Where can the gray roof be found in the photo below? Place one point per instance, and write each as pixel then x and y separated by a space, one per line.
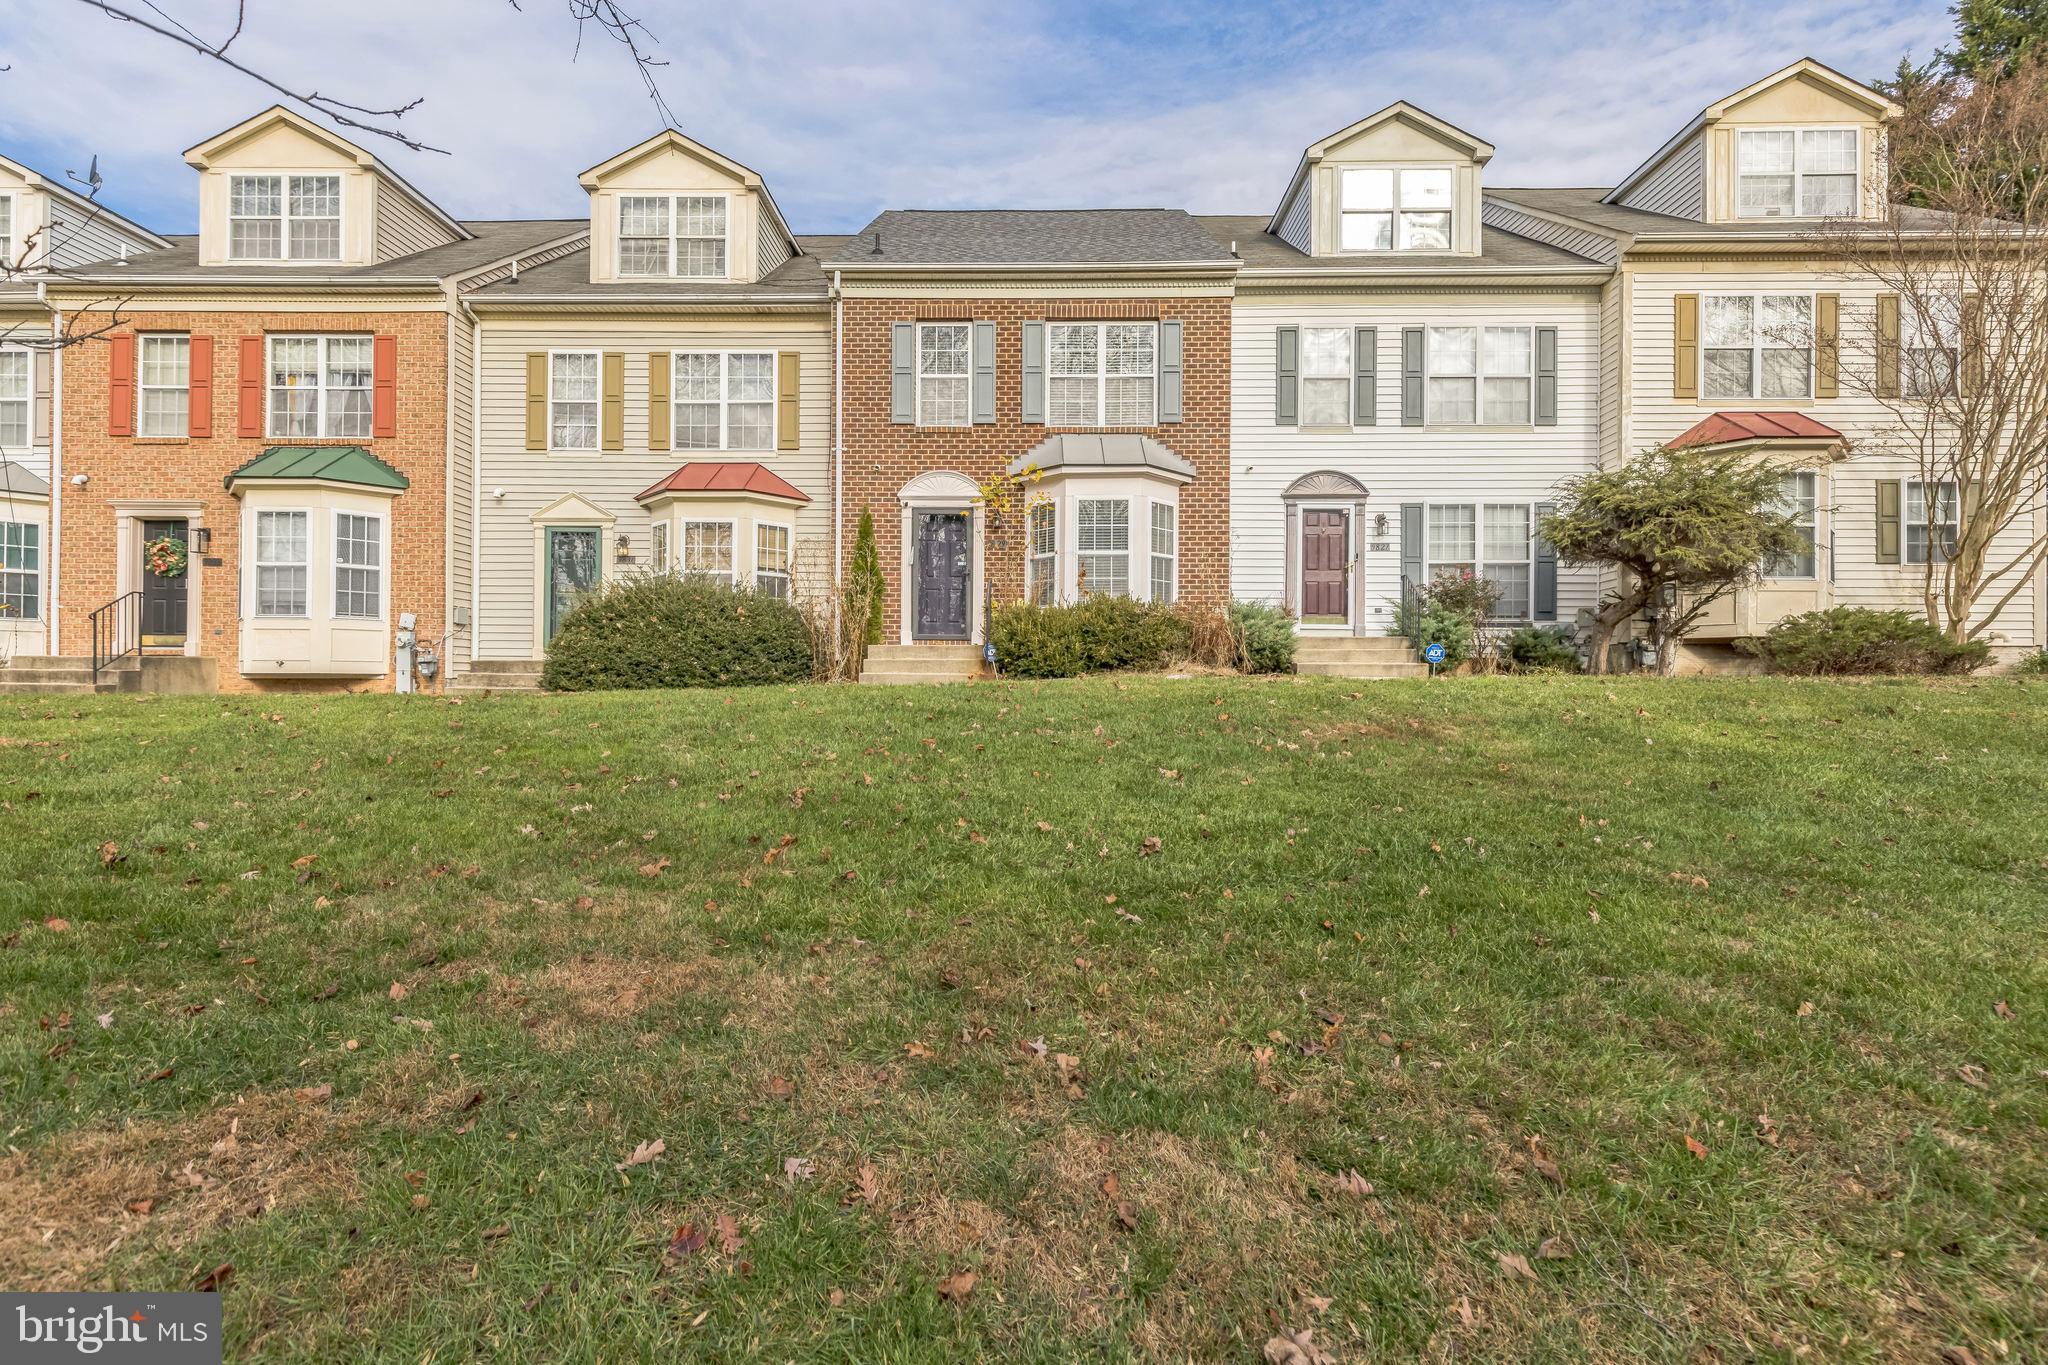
pixel 1021 237
pixel 1121 451
pixel 799 278
pixel 494 240
pixel 1584 204
pixel 22 481
pixel 1498 250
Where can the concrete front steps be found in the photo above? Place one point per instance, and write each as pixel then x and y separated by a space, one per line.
pixel 921 664
pixel 1357 656
pixel 486 676
pixel 59 675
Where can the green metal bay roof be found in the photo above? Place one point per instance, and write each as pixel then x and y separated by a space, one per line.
pixel 335 464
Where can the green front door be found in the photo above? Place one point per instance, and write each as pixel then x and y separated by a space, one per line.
pixel 572 572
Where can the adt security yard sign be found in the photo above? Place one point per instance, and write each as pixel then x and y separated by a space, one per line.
pixel 1434 653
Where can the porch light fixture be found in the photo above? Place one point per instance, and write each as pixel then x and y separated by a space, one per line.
pixel 203 536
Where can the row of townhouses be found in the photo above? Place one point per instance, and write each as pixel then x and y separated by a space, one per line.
pixel 361 415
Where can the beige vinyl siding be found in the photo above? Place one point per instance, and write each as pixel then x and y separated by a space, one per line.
pixel 79 236
pixel 534 479
pixel 472 283
pixel 771 248
pixel 1400 464
pixel 1655 416
pixel 1594 246
pixel 1678 187
pixel 461 472
pixel 1296 227
pixel 403 227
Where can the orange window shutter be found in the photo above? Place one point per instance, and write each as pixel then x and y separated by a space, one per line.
pixel 384 386
pixel 199 390
pixel 249 405
pixel 121 384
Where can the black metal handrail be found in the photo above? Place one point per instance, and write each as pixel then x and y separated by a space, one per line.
pixel 116 632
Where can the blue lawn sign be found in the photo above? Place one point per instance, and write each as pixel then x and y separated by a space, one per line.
pixel 1434 653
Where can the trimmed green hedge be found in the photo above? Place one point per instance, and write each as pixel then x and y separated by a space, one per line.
pixel 1267 636
pixel 1845 640
pixel 1097 635
pixel 677 632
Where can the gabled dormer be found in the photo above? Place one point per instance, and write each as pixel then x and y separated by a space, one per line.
pixel 280 190
pixel 46 224
pixel 673 210
pixel 1401 181
pixel 1802 145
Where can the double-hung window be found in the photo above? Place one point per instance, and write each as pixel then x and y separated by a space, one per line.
pixel 7 231
pixel 707 550
pixel 1930 521
pixel 21 571
pixel 1798 495
pixel 572 400
pixel 657 548
pixel 1388 208
pixel 1928 339
pixel 164 386
pixel 1042 558
pixel 945 369
pixel 281 560
pixel 771 559
pixel 1480 376
pixel 724 400
pixel 1325 376
pixel 1102 374
pixel 672 234
pixel 1102 544
pixel 284 217
pixel 358 565
pixel 1165 551
pixel 1796 173
pixel 320 386
pixel 1492 540
pixel 1758 346
pixel 16 389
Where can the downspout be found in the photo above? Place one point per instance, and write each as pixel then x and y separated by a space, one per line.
pixel 476 491
pixel 838 447
pixel 56 566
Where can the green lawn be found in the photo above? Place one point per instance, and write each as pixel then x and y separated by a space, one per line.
pixel 1736 989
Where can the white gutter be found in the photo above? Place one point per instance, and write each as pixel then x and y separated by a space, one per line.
pixel 55 577
pixel 1074 267
pixel 838 448
pixel 476 466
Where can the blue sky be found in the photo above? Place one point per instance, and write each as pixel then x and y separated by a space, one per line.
pixel 849 106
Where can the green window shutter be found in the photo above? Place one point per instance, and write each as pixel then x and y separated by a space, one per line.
pixel 1546 376
pixel 984 373
pixel 1365 376
pixel 902 378
pixel 1287 376
pixel 1827 345
pixel 1169 370
pixel 1411 377
pixel 1411 548
pixel 612 412
pixel 1888 539
pixel 1545 599
pixel 1034 373
pixel 1887 345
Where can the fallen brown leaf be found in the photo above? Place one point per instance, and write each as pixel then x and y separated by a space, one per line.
pixel 1515 1264
pixel 1297 1348
pixel 213 1279
pixel 956 1287
pixel 1552 1249
pixel 1696 1147
pixel 728 1229
pixel 642 1154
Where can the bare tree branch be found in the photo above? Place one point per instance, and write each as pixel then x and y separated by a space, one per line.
pixel 626 29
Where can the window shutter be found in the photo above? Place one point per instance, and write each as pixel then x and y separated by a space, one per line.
pixel 1287 376
pixel 788 392
pixel 1972 500
pixel 1411 549
pixel 1365 376
pixel 1685 346
pixel 902 378
pixel 121 384
pixel 40 433
pixel 199 389
pixel 1545 600
pixel 1169 370
pixel 660 420
pixel 1034 373
pixel 1971 344
pixel 1546 376
pixel 612 412
pixel 1887 345
pixel 249 386
pixel 984 373
pixel 383 386
pixel 1827 346
pixel 536 400
pixel 1411 376
pixel 1888 521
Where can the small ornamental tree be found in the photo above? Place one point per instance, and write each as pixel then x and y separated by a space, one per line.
pixel 864 584
pixel 1683 527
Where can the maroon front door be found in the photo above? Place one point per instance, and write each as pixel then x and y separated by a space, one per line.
pixel 1325 566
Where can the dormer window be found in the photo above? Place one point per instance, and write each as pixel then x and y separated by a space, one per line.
pixel 673 234
pixel 284 218
pixel 1796 173
pixel 1387 208
pixel 6 230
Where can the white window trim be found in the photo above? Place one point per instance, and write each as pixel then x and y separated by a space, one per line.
pixel 917 341
pixel 1909 505
pixel 1349 376
pixel 660 559
pixel 725 401
pixel 141 388
pixel 1480 374
pixel 1394 246
pixel 675 236
pixel 1173 583
pixel 1130 551
pixel 596 427
pixel 35 575
pixel 732 526
pixel 256 565
pixel 284 218
pixel 1756 344
pixel 1046 565
pixel 271 412
pixel 1102 375
pixel 1798 175
pixel 28 398
pixel 11 243
pixel 1812 527
pixel 1479 560
pixel 788 573
pixel 383 565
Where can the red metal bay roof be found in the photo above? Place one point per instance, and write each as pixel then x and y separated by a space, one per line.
pixel 1729 428
pixel 725 476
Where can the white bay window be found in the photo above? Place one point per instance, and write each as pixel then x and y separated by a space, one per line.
pixel 1798 496
pixel 771 559
pixel 708 550
pixel 1102 544
pixel 281 561
pixel 1041 563
pixel 358 565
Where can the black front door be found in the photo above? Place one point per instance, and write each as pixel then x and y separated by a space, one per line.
pixel 944 573
pixel 163 599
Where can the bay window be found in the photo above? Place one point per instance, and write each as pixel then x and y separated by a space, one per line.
pixel 21 571
pixel 1483 376
pixel 16 389
pixel 1165 551
pixel 1796 173
pixel 771 559
pixel 1798 495
pixel 284 217
pixel 1758 346
pixel 1930 521
pixel 164 386
pixel 657 547
pixel 572 400
pixel 724 400
pixel 945 366
pixel 1102 544
pixel 281 560
pixel 1325 376
pixel 673 234
pixel 320 386
pixel 1041 562
pixel 1387 208
pixel 1102 373
pixel 707 550
pixel 358 565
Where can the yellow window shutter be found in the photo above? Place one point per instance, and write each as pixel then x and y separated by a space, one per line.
pixel 788 385
pixel 1827 346
pixel 1685 346
pixel 1971 343
pixel 536 400
pixel 613 419
pixel 660 428
pixel 1888 346
pixel 1888 503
